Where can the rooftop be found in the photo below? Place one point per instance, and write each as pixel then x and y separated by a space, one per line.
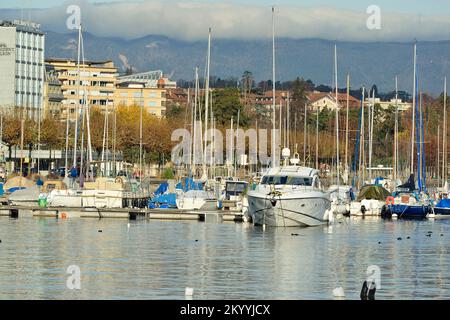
pixel 23 25
pixel 102 64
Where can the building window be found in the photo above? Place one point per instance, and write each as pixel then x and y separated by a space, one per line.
pixel 152 104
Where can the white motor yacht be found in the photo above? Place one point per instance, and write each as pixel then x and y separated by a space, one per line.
pixel 289 196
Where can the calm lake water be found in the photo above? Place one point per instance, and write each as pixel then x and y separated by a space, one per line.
pixel 158 260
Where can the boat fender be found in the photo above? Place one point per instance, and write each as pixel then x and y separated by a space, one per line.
pixel 390 200
pixel 363 209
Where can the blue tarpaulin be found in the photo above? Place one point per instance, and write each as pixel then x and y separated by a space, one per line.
pixel 188 184
pixel 444 203
pixel 163 187
pixel 164 201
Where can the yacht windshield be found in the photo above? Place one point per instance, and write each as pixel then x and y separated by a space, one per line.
pixel 285 180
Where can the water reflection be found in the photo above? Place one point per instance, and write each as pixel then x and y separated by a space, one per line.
pixel 158 260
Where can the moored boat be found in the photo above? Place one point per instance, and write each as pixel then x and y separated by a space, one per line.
pixel 289 196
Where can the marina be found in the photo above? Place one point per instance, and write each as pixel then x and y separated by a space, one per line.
pixel 154 259
pixel 118 182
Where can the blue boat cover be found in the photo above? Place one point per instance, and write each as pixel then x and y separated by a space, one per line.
pixel 164 201
pixel 444 203
pixel 163 187
pixel 188 184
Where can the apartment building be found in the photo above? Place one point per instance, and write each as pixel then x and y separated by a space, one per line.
pixel 53 94
pixel 95 81
pixel 137 93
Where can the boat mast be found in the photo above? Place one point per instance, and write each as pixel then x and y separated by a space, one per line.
pixel 371 112
pixel 237 140
pixel 280 122
pixel 78 101
pixel 396 132
pixel 140 137
pixel 317 138
pixel 362 155
pixel 419 142
pixel 438 152
pixel 273 88
pixel 231 162
pixel 346 122
pixel 413 111
pixel 194 144
pixel 114 140
pixel 288 121
pixel 205 173
pixel 304 137
pixel 444 137
pixel 212 142
pixel 88 116
pixel 337 113
pixel 39 139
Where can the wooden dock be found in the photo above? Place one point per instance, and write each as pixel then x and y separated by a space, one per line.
pixel 120 213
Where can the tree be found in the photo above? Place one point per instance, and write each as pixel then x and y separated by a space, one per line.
pixel 298 99
pixel 226 104
pixel 175 111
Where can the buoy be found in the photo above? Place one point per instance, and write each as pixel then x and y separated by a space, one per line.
pixel 408 237
pixel 196 240
pixel 189 292
pixel 63 215
pixel 339 292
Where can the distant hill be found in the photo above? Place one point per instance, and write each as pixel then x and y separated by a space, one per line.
pixel 368 63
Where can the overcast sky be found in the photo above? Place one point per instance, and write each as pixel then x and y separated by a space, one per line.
pixel 345 20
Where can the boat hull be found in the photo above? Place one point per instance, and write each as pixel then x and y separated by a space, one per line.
pixel 86 199
pixel 288 211
pixel 442 211
pixel 406 211
pixel 366 208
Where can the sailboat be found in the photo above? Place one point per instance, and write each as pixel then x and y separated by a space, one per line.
pixel 340 195
pixel 442 208
pixel 372 196
pixel 287 195
pixel 196 198
pixel 104 192
pixel 408 201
